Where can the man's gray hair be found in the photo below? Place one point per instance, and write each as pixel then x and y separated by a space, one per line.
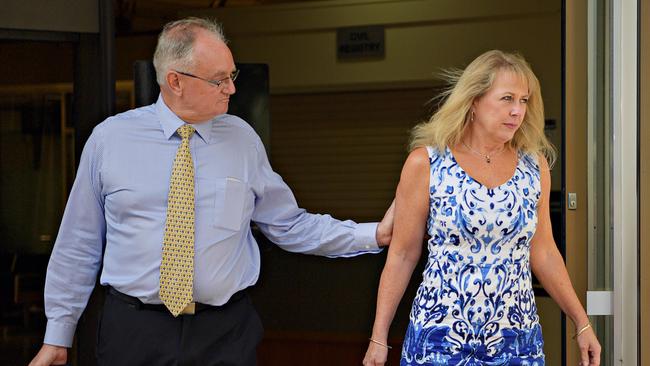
pixel 176 43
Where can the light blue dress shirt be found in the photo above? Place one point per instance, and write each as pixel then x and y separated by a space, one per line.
pixel 119 201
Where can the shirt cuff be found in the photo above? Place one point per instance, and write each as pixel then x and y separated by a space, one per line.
pixel 365 235
pixel 59 334
pixel 365 241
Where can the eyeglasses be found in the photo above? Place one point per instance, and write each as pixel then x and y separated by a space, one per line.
pixel 217 83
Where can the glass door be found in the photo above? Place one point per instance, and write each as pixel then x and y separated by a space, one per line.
pixel 612 178
pixel 37 165
pixel 600 280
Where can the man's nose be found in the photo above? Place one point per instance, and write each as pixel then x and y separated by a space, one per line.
pixel 229 87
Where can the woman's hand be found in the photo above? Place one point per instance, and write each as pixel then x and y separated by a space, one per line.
pixel 589 348
pixel 376 355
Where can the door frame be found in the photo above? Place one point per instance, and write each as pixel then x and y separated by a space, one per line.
pixel 575 155
pixel 625 188
pixel 624 166
pixel 643 126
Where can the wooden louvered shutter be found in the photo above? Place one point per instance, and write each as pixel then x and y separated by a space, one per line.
pixel 342 153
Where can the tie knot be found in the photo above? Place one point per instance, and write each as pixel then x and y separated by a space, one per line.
pixel 185 131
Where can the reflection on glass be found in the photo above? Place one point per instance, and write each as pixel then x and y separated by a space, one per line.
pixel 600 246
pixel 36 160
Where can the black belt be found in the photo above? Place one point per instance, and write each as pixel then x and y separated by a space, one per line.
pixel 197 306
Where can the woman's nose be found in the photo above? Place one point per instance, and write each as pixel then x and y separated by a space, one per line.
pixel 516 109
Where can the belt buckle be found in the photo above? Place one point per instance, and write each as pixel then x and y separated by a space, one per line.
pixel 189 309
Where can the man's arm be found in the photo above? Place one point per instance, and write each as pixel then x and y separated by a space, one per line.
pixel 77 253
pixel 278 216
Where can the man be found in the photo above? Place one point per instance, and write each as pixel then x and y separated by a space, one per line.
pixel 169 191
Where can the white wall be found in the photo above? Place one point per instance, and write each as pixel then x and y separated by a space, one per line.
pixel 298 41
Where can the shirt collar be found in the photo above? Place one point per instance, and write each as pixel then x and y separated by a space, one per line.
pixel 170 122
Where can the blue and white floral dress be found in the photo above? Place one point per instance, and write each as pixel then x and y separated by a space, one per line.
pixel 476 305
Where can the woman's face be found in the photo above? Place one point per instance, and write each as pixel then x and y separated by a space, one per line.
pixel 501 110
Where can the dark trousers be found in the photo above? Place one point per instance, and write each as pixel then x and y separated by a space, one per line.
pixel 132 335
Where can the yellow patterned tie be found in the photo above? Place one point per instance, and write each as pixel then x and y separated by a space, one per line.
pixel 177 265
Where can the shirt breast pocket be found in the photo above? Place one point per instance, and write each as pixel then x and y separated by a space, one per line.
pixel 229 203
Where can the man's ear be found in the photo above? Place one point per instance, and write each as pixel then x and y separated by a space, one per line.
pixel 174 83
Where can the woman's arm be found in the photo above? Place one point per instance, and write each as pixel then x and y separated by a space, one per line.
pixel 411 210
pixel 548 265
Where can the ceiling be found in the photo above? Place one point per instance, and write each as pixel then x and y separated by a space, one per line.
pixel 142 16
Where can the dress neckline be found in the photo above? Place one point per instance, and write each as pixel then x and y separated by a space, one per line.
pixel 512 176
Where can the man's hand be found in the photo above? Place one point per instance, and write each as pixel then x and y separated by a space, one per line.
pixel 50 355
pixel 384 232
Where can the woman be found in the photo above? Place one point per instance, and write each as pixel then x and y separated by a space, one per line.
pixel 478 181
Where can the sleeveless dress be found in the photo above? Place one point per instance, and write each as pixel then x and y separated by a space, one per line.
pixel 475 305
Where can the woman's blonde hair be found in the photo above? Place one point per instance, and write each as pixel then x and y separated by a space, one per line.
pixel 447 125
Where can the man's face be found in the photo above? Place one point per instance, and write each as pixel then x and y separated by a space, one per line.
pixel 212 61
